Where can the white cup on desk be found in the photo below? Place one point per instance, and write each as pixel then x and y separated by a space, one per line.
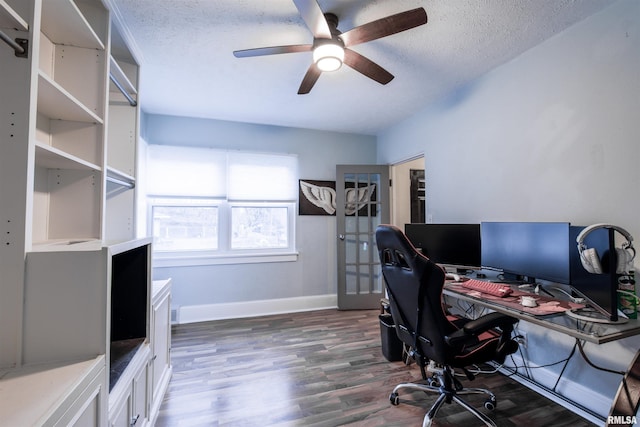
pixel 528 301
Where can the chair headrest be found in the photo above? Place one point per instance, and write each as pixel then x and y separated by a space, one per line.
pixel 392 241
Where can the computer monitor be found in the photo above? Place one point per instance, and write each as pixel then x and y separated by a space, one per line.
pixel 527 251
pixel 450 245
pixel 599 290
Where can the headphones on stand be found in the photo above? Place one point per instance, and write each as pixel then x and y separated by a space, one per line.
pixel 592 262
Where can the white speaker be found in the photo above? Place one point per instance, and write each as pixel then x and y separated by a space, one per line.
pixel 592 262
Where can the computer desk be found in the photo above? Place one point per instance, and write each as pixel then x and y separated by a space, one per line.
pixel 597 333
pixel 580 330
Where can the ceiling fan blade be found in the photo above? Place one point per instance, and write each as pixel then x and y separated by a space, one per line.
pixel 314 18
pixel 385 27
pixel 367 67
pixel 310 79
pixel 274 50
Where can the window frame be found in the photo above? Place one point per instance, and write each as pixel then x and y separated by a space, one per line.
pixel 224 254
pixel 231 167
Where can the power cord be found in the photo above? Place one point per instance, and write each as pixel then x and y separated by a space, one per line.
pixel 586 359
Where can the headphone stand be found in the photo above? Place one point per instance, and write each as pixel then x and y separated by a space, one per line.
pixel 613 277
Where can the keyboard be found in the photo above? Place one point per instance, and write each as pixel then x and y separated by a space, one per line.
pixel 491 288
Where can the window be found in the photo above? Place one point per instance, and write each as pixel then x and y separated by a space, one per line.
pixel 184 227
pixel 219 206
pixel 259 227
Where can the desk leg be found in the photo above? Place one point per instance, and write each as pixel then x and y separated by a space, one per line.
pixel 566 363
pixel 625 404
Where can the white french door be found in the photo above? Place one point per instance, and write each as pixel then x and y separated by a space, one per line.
pixel 362 203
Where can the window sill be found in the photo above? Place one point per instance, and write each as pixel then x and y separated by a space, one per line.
pixel 188 260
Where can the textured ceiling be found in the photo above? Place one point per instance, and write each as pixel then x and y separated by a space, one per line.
pixel 188 69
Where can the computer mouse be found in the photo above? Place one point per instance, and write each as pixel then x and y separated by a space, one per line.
pixel 453 276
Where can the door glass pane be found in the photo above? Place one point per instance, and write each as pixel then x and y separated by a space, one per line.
pixel 374 250
pixel 377 219
pixel 351 280
pixel 378 283
pixel 364 225
pixel 364 248
pixel 351 224
pixel 351 248
pixel 365 279
pixel 349 178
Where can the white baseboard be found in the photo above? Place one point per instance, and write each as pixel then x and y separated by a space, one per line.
pixel 206 312
pixel 584 401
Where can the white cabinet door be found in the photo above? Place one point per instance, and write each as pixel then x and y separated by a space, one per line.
pixel 139 416
pixel 129 398
pixel 161 341
pixel 160 333
pixel 121 417
pixel 89 409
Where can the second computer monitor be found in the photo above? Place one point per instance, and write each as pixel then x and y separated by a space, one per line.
pixel 453 245
pixel 528 250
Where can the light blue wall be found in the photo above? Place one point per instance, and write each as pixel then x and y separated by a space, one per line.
pixel 553 135
pixel 315 271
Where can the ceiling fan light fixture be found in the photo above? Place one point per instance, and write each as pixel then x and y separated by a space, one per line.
pixel 328 56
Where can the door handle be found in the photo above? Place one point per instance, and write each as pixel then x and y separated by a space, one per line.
pixel 341 236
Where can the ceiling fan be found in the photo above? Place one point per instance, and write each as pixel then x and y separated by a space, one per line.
pixel 331 46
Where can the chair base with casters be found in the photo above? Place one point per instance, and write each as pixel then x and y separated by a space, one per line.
pixel 449 389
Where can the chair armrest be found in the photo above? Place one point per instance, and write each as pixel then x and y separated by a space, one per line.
pixel 490 321
pixel 468 334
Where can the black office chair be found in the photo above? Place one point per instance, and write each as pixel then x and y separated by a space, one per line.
pixel 438 341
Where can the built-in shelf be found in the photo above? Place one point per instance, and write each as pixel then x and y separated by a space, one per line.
pixel 64 23
pixel 60 245
pixel 9 18
pixel 57 103
pixel 53 158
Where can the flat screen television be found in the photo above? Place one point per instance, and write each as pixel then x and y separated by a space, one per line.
pixel 450 245
pixel 527 251
pixel 130 280
pixel 600 290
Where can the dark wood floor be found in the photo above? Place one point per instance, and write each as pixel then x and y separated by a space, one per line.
pixel 322 368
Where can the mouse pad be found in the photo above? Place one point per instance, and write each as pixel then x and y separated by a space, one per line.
pixel 546 305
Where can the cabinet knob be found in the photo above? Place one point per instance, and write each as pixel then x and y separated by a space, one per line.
pixel 134 420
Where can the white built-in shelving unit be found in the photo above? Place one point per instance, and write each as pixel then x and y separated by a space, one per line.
pixel 122 135
pixel 69 132
pixel 71 108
